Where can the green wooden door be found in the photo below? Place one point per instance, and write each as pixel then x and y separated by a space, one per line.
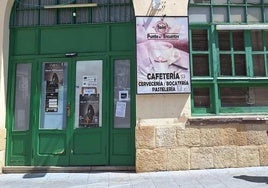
pixel 75 111
pixel 19 123
pixel 50 137
pixel 71 130
pixel 89 130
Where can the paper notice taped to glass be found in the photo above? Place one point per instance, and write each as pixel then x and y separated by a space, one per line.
pixel 120 109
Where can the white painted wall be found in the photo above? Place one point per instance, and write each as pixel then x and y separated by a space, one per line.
pixel 5 9
pixel 169 108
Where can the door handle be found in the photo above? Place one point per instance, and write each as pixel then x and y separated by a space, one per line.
pixel 68 110
pixel 59 152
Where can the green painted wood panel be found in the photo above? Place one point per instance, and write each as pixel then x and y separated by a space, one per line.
pixel 52 143
pixel 87 142
pixel 122 37
pixel 20 153
pixel 25 41
pixel 73 39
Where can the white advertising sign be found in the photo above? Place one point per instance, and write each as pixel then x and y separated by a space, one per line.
pixel 162 55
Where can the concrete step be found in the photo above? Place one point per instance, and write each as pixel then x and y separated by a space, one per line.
pixel 57 169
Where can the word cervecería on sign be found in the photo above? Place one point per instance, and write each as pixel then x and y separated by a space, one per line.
pixel 160 82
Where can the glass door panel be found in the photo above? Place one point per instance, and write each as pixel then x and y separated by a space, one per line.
pixel 88 94
pixel 122 94
pixel 53 96
pixel 22 97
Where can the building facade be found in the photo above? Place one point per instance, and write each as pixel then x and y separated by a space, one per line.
pixel 156 85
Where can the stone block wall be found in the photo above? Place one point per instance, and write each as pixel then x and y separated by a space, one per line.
pixel 202 144
pixel 2 148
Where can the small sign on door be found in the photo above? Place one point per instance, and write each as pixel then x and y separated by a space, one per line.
pixel 123 95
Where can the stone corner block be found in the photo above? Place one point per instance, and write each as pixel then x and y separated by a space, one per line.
pixel 263 155
pixel 248 156
pixel 2 139
pixel 210 136
pixel 2 160
pixel 201 158
pixel 151 160
pixel 188 137
pixel 178 159
pixel 165 136
pixel 145 137
pixel 225 157
pixel 257 137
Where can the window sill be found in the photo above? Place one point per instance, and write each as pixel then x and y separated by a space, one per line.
pixel 245 119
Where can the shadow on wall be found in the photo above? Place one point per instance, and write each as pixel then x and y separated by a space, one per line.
pixel 255 179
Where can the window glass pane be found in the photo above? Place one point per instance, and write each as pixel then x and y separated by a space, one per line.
pixel 225 65
pixel 48 17
pixel 22 97
pixel 240 65
pixel 224 40
pixel 219 2
pixel 258 97
pixel 266 38
pixel 122 116
pixel 254 1
pixel 118 1
pixel 200 65
pixel 243 96
pixel 199 40
pixel 266 14
pixel 233 97
pixel 199 14
pixel 200 1
pixel 65 16
pixel 254 14
pixel 256 40
pixel 258 65
pixel 100 14
pixel 88 94
pixel 220 14
pixel 236 1
pixel 201 97
pixel 100 1
pixel 47 2
pixel 32 12
pixel 82 15
pixel 26 17
pixel 237 14
pixel 238 40
pixel 54 95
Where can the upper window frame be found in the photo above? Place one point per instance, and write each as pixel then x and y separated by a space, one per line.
pixel 213 82
pixel 30 13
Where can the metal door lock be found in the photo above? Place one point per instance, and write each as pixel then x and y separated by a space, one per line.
pixel 68 110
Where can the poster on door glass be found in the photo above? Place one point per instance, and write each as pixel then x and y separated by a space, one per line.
pixel 89 110
pixel 162 55
pixel 54 81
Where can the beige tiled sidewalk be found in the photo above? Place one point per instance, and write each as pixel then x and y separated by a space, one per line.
pixel 252 177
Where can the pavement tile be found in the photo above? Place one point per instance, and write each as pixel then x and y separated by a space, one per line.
pixel 251 177
pixel 143 184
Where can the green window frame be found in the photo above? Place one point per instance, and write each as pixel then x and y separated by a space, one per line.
pixel 40 12
pixel 229 64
